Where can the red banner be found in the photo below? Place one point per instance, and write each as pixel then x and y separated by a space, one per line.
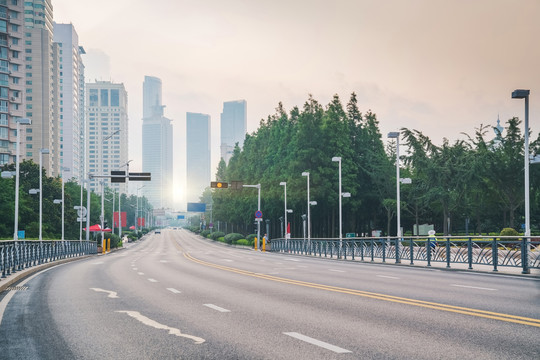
pixel 140 222
pixel 123 218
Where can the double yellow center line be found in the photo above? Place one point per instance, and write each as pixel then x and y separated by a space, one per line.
pixel 396 299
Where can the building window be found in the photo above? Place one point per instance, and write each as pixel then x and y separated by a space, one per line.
pixel 104 97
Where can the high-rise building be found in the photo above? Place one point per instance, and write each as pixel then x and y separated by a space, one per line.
pixel 11 79
pixel 157 151
pixel 42 85
pixel 197 155
pixel 71 107
pixel 106 130
pixel 233 127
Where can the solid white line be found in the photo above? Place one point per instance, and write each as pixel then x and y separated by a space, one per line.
pixel 173 331
pixel 152 280
pixel 228 260
pixel 316 342
pixel 173 290
pixel 388 277
pixel 215 307
pixel 334 270
pixel 473 287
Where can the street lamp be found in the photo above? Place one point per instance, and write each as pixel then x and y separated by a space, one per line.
pixel 258 186
pixel 120 196
pixel 395 135
pixel 284 184
pixel 20 121
pixel 338 160
pixel 63 202
pixel 306 174
pixel 524 94
pixel 41 152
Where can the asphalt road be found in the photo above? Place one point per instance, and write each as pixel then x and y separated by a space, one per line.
pixel 178 296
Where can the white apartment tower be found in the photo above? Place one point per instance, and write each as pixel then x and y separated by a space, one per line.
pixel 71 74
pixel 42 85
pixel 106 130
pixel 157 148
pixel 11 78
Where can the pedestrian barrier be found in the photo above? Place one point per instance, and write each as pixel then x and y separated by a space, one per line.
pixel 499 251
pixel 19 255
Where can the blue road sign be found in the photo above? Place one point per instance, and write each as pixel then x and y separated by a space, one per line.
pixel 258 214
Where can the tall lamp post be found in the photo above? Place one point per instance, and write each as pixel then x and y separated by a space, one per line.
pixel 306 174
pixel 341 195
pixel 41 152
pixel 524 94
pixel 258 186
pixel 20 121
pixel 395 135
pixel 119 196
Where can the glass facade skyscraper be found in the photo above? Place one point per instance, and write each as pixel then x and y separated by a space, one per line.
pixel 233 126
pixel 157 151
pixel 197 155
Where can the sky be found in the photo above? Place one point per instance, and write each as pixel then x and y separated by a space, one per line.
pixel 441 67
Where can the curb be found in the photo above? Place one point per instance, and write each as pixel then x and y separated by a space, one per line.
pixel 22 274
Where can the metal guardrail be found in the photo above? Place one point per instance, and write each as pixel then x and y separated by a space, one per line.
pixel 494 251
pixel 18 255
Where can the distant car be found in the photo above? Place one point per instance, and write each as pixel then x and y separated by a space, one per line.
pixel 158 231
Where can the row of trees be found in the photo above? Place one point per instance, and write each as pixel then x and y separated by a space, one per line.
pixel 52 213
pixel 479 180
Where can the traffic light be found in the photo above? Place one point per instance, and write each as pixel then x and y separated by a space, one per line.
pixel 219 185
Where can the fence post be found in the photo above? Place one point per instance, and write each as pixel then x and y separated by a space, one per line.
pixel 525 255
pixel 495 255
pixel 411 247
pixel 428 250
pixel 469 252
pixel 383 250
pixel 398 258
pixel 447 253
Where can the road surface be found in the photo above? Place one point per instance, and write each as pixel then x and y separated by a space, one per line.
pixel 175 295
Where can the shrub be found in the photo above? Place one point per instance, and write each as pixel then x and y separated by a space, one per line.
pixel 509 232
pixel 221 239
pixel 205 233
pixel 242 242
pixel 229 238
pixel 216 234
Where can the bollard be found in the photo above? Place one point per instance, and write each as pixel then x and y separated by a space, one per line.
pixel 264 244
pixel 108 244
pixel 104 247
pixel 255 243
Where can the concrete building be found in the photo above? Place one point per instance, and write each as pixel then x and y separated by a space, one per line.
pixel 233 127
pixel 197 155
pixel 71 74
pixel 42 85
pixel 11 80
pixel 107 130
pixel 157 146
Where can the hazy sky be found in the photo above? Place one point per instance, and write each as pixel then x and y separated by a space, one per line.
pixel 440 66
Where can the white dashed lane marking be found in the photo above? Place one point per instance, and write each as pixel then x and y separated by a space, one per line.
pixel 215 307
pixel 316 342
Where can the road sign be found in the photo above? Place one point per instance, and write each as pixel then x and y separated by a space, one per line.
pixel 350 235
pixel 81 211
pixel 259 219
pixel 196 207
pixel 118 176
pixel 258 214
pixel 140 176
pixel 180 217
pixel 81 219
